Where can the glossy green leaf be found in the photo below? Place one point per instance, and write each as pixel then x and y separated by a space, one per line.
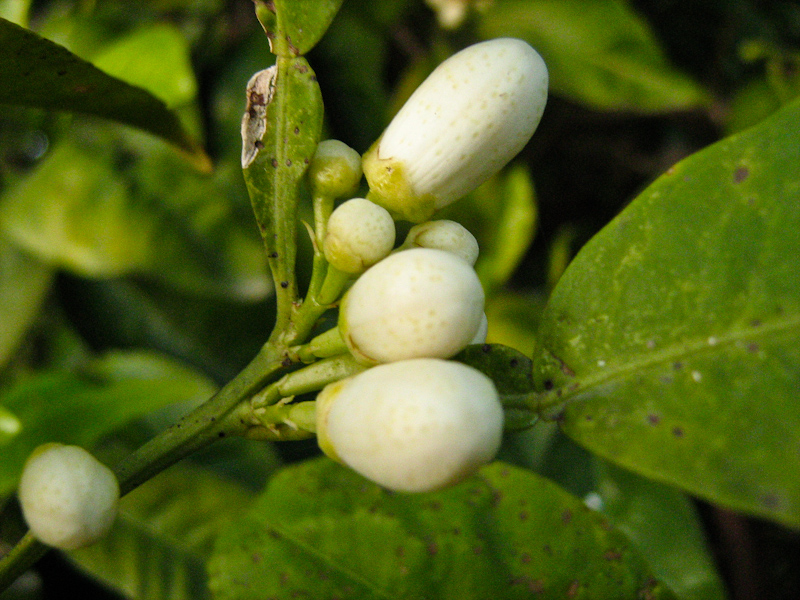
pixel 659 520
pixel 284 112
pixel 509 368
pixel 156 58
pixel 79 408
pixel 664 526
pixel 295 26
pixel 43 74
pixel 164 534
pixel 24 283
pixel 321 530
pixel 670 344
pixel 15 11
pixel 78 211
pixel 598 52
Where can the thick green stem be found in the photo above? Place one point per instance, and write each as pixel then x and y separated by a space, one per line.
pixel 215 419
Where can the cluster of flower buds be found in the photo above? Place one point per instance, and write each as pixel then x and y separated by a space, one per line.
pixel 415 421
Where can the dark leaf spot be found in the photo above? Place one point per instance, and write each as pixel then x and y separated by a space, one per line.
pixel 566 516
pixel 755 323
pixel 259 145
pixel 513 362
pixel 677 432
pixel 740 174
pixel 653 419
pixel 548 384
pixel 288 162
pixel 287 362
pixel 284 284
pixel 486 348
pixel 752 347
pixel 574 588
pixel 274 163
pixel 433 549
pixel 677 366
pixel 523 515
pixel 612 555
pixel 296 130
pixel 771 501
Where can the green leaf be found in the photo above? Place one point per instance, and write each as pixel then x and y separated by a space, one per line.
pixel 156 58
pixel 295 26
pixel 79 408
pixel 320 530
pixel 24 283
pixel 664 526
pixel 616 66
pixel 37 72
pixel 670 344
pixel 164 535
pixel 281 130
pixel 80 211
pixel 660 521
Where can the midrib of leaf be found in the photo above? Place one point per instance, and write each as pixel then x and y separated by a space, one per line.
pixel 562 395
pixel 328 560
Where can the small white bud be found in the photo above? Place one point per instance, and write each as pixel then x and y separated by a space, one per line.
pixel 359 234
pixel 444 235
pixel 416 303
pixel 68 497
pixel 412 426
pixel 472 115
pixel 335 170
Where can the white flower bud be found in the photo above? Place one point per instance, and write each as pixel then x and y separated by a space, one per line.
pixel 335 170
pixel 472 115
pixel 444 235
pixel 359 234
pixel 413 304
pixel 483 330
pixel 413 426
pixel 68 497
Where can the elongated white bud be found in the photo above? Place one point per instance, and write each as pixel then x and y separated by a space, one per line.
pixel 359 234
pixel 472 115
pixel 68 497
pixel 413 426
pixel 416 303
pixel 444 235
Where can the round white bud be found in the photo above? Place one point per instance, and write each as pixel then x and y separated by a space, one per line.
pixel 69 499
pixel 412 426
pixel 444 235
pixel 472 115
pixel 413 304
pixel 359 234
pixel 335 170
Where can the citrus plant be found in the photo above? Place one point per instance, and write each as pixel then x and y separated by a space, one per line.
pixel 389 385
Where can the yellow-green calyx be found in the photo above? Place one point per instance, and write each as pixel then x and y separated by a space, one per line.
pixel 390 188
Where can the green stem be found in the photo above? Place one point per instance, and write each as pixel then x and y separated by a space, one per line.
pixel 27 551
pixel 222 415
pixel 215 419
pixel 327 344
pixel 312 378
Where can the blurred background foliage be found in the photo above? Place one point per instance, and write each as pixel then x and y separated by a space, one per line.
pixel 132 280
